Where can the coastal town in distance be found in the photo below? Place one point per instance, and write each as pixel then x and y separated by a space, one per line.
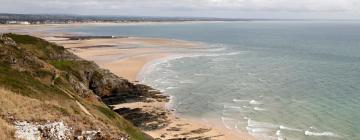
pixel 27 19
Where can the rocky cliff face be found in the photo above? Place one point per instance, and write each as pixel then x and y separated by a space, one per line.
pixel 76 92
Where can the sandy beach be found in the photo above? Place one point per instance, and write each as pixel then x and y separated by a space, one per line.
pixel 126 57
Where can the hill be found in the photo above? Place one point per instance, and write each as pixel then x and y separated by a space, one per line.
pixel 47 92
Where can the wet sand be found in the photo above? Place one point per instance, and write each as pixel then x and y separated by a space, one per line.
pixel 123 56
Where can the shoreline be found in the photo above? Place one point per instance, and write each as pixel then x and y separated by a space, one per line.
pixel 128 57
pixel 131 63
pixel 222 132
pixel 124 56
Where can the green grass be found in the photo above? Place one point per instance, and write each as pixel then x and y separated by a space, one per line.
pixel 42 74
pixel 68 66
pixel 74 67
pixel 23 39
pixel 107 112
pixel 65 65
pixel 23 83
pixel 36 46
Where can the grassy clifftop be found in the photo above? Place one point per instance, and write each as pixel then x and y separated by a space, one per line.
pixel 41 82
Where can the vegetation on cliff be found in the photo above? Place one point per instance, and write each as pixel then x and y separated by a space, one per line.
pixel 41 82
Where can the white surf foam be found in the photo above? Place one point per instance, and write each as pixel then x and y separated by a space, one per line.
pixel 218 49
pixel 278 133
pixel 258 130
pixel 171 88
pixel 227 122
pixel 238 100
pixel 252 123
pixel 245 106
pixel 254 102
pixel 264 130
pixel 164 82
pixel 227 119
pixel 219 59
pixel 259 109
pixel 215 54
pixel 186 82
pixel 232 107
pixel 201 74
pixel 288 128
pixel 329 134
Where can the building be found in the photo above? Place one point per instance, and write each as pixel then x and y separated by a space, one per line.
pixel 18 22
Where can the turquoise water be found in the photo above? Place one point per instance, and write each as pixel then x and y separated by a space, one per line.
pixel 275 80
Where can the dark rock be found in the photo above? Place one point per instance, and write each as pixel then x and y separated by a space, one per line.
pixel 173 129
pixel 142 119
pixel 200 131
pixel 178 139
pixel 162 135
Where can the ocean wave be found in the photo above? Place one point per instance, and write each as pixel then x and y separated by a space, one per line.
pixel 238 100
pixel 259 109
pixel 279 135
pixel 227 122
pixel 258 130
pixel 171 88
pixel 233 53
pixel 251 74
pixel 200 74
pixel 221 59
pixel 217 49
pixel 288 128
pixel 186 82
pixel 329 134
pixel 164 82
pixel 245 106
pixel 254 102
pixel 252 123
pixel 213 54
pixel 226 113
pixel 171 104
pixel 150 67
pixel 227 119
pixel 265 130
pixel 232 107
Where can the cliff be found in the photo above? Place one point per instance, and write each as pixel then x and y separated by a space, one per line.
pixel 47 92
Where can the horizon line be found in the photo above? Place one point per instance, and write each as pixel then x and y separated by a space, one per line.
pixel 186 17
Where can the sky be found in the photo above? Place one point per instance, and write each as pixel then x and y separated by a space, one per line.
pixel 270 9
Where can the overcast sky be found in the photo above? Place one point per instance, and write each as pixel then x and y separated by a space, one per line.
pixel 326 9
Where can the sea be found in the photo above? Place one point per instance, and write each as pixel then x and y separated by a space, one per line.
pixel 276 80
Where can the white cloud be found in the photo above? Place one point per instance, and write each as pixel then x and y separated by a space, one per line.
pixel 225 8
